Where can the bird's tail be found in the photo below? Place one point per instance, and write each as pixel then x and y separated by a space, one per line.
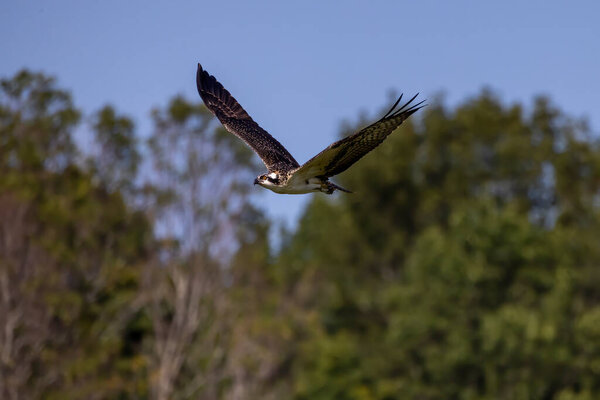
pixel 333 187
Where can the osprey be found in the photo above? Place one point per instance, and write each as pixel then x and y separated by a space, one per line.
pixel 285 175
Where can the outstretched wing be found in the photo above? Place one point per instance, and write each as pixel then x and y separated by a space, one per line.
pixel 237 121
pixel 340 155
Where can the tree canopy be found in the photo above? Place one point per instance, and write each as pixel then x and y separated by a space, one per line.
pixel 466 265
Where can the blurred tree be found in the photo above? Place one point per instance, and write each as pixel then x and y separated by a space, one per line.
pixel 465 265
pixel 36 122
pixel 117 157
pixel 461 266
pixel 196 200
pixel 70 254
pixel 263 320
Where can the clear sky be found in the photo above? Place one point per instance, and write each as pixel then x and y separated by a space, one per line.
pixel 300 68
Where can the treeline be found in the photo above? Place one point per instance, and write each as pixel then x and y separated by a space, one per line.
pixel 466 265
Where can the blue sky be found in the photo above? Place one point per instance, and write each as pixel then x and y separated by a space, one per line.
pixel 300 68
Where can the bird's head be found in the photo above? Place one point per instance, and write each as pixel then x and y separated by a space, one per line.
pixel 267 180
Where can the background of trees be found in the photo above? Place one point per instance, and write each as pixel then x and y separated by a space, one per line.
pixel 465 266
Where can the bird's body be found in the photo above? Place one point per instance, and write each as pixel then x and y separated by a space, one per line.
pixel 285 175
pixel 283 183
pixel 288 182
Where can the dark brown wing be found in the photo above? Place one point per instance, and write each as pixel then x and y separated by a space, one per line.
pixel 237 121
pixel 340 155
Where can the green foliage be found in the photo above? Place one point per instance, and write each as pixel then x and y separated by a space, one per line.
pixel 118 156
pixel 36 121
pixel 72 261
pixel 460 268
pixel 464 266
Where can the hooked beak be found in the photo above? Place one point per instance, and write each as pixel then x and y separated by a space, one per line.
pixel 256 181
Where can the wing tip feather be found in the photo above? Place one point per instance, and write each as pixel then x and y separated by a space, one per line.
pixel 216 97
pixel 403 110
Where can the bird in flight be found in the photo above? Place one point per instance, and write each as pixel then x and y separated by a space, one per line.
pixel 284 174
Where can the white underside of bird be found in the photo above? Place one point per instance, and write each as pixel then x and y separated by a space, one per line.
pixel 294 185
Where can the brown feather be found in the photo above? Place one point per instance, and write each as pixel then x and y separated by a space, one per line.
pixel 237 121
pixel 339 156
